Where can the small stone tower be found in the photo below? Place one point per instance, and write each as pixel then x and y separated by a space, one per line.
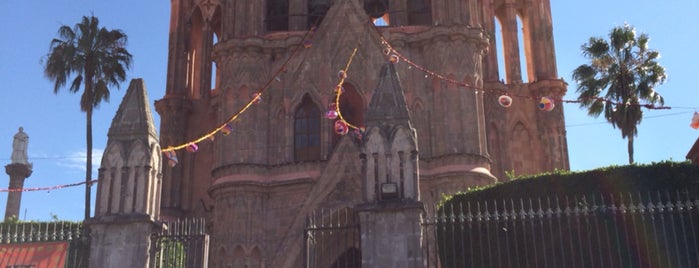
pixel 390 218
pixel 19 169
pixel 128 195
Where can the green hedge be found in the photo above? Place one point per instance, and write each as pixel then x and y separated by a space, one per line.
pixel 663 176
pixel 467 237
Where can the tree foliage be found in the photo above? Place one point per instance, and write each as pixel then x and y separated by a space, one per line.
pixel 96 59
pixel 619 79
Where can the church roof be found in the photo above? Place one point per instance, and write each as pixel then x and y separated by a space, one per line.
pixel 134 115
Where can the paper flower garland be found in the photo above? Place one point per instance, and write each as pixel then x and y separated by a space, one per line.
pixel 341 127
pixel 192 147
pixel 257 97
pixel 342 74
pixel 695 121
pixel 227 129
pixel 172 158
pixel 505 101
pixel 332 111
pixel 546 104
pixel 393 58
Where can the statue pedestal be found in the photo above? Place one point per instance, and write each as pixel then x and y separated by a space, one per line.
pixel 18 172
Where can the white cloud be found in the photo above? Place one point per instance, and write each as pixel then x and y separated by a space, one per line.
pixel 76 160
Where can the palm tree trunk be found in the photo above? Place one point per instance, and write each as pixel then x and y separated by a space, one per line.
pixel 630 139
pixel 88 167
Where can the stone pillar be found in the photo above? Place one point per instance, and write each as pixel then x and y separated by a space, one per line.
pixel 390 216
pixel 391 234
pixel 128 196
pixel 18 172
pixel 510 42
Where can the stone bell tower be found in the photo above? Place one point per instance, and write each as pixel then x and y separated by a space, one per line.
pixel 390 216
pixel 128 195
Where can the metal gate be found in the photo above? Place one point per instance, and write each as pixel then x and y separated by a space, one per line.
pixel 181 244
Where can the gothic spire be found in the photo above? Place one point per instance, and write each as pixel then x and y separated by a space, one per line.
pixel 134 115
pixel 388 104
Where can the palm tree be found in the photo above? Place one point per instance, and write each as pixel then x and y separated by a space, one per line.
pixel 98 59
pixel 621 74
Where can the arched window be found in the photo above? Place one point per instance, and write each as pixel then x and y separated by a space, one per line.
pixel 307 131
pixel 277 15
pixel 351 108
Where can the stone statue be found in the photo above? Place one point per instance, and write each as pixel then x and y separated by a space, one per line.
pixel 19 148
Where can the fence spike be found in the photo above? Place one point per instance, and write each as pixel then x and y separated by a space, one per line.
pixel 540 211
pixel 496 213
pixel 660 205
pixel 668 202
pixel 487 212
pixel 679 204
pixel 505 215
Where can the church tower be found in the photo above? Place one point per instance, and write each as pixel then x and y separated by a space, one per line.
pixel 267 163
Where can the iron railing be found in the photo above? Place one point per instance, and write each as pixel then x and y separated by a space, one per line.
pixel 181 243
pixel 622 230
pixel 332 240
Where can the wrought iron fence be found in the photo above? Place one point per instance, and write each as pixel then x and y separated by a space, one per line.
pixel 182 243
pixel 36 232
pixel 622 230
pixel 332 240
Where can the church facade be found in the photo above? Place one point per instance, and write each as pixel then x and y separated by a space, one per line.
pixel 283 159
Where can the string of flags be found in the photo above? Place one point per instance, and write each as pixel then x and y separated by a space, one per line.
pixel 47 188
pixel 227 127
pixel 343 127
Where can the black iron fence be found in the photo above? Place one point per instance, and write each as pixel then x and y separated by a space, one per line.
pixel 623 230
pixel 332 240
pixel 182 243
pixel 27 237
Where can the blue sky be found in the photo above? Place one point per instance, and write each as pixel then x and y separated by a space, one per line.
pixel 56 126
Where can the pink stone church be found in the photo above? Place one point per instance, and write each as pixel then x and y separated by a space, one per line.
pixel 431 122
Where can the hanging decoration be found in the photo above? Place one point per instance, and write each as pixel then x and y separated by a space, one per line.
pixel 393 58
pixel 257 97
pixel 172 157
pixel 341 127
pixel 695 121
pixel 47 188
pixel 358 133
pixel 342 74
pixel 192 147
pixel 332 111
pixel 226 129
pixel 505 101
pixel 546 104
pixel 431 74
